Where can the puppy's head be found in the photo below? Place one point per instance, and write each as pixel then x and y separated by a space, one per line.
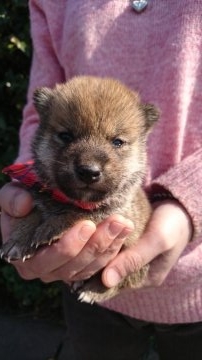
pixel 91 141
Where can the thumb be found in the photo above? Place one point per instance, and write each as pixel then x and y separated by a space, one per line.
pixel 15 201
pixel 128 261
pixel 168 232
pixel 150 245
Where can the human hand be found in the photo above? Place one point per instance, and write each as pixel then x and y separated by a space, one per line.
pixel 166 236
pixel 82 250
pixel 15 202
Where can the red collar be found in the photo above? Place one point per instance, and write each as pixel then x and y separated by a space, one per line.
pixel 26 175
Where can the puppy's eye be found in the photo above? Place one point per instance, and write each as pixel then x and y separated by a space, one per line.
pixel 118 142
pixel 66 137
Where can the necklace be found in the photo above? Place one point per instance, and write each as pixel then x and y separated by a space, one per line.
pixel 139 5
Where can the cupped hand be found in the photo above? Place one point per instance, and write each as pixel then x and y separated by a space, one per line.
pixel 166 236
pixel 82 250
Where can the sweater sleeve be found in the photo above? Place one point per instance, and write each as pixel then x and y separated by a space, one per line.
pixel 184 181
pixel 45 71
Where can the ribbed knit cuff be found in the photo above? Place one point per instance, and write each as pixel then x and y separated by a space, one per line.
pixel 184 182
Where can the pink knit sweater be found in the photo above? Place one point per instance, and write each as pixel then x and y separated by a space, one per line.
pixel 158 53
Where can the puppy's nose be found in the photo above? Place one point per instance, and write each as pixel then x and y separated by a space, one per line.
pixel 89 173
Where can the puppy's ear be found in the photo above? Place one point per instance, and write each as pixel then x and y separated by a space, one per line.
pixel 42 101
pixel 151 114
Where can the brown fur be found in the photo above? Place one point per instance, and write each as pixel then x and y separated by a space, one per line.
pixel 90 144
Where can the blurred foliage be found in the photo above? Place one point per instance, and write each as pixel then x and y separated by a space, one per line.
pixel 15 58
pixel 33 297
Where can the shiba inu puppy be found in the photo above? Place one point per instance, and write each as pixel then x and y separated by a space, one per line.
pixel 89 160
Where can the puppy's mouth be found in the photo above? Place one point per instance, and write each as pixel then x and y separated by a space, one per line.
pixel 96 189
pixel 87 193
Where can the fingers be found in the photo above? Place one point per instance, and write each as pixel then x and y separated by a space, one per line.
pixel 15 200
pixel 55 256
pixel 97 256
pixel 83 250
pixel 166 236
pixel 129 261
pixel 102 246
pixel 150 245
pixel 80 247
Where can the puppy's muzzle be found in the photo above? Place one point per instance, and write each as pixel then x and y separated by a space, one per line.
pixel 89 173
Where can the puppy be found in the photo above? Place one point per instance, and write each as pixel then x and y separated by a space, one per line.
pixel 89 159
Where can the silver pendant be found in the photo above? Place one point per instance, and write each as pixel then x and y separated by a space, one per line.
pixel 139 5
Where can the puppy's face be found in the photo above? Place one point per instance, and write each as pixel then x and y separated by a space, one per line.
pixel 91 138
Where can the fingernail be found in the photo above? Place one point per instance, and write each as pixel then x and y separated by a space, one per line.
pixel 115 228
pixel 86 232
pixel 112 277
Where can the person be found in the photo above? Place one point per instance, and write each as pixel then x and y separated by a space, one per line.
pixel 157 52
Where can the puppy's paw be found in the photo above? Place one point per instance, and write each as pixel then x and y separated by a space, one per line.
pixel 93 290
pixel 14 249
pixel 90 297
pixel 46 234
pixel 19 246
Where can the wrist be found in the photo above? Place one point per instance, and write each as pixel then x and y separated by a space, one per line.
pixel 159 196
pixel 179 212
